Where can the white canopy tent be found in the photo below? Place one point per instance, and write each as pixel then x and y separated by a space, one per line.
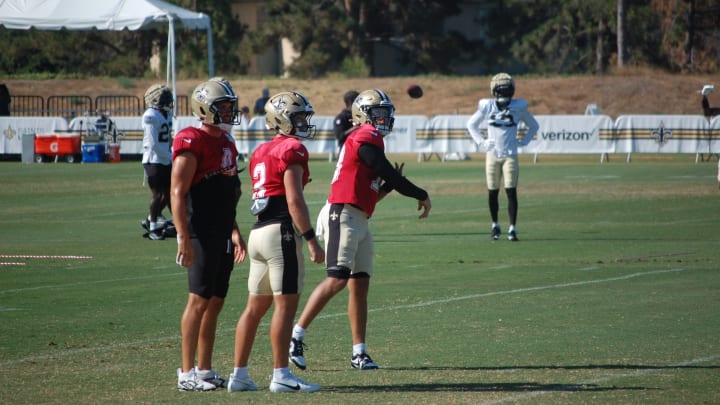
pixel 114 15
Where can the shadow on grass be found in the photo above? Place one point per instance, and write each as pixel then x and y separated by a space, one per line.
pixel 510 386
pixel 480 387
pixel 556 367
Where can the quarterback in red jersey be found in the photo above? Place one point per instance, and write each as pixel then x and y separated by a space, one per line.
pixel 279 172
pixel 205 189
pixel 363 176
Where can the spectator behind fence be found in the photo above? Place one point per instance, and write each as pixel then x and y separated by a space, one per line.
pixel 259 108
pixel 4 101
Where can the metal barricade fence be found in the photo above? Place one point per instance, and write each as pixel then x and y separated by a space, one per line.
pixel 27 106
pixel 118 106
pixel 68 106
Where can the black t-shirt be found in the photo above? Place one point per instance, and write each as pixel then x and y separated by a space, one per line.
pixel 341 125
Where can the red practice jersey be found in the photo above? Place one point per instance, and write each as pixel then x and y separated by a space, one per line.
pixel 215 186
pixel 270 161
pixel 354 182
pixel 215 155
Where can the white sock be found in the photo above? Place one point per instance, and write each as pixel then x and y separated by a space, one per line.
pixel 298 332
pixel 359 348
pixel 281 373
pixel 512 228
pixel 153 226
pixel 240 372
pixel 495 225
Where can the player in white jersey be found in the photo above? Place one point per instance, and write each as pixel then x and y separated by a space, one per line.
pixel 501 116
pixel 157 155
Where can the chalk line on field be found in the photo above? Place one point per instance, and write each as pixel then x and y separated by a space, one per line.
pixel 342 314
pixel 44 287
pixel 69 257
pixel 637 373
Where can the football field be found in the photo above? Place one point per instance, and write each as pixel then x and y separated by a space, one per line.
pixel 612 294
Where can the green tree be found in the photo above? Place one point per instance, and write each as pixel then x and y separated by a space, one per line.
pixel 690 34
pixel 228 36
pixel 327 33
pixel 318 32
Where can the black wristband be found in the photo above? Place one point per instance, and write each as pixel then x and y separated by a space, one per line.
pixel 309 235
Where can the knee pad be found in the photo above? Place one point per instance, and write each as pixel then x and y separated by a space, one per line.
pixel 340 272
pixel 360 275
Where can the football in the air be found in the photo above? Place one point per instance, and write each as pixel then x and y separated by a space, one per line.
pixel 415 91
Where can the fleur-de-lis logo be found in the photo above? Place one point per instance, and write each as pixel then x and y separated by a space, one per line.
pixel 9 132
pixel 287 236
pixel 661 134
pixel 279 104
pixel 202 94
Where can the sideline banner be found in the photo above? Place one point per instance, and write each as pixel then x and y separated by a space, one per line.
pixel 445 134
pixel 660 133
pixel 713 141
pixel 572 134
pixel 403 137
pixel 324 140
pixel 12 130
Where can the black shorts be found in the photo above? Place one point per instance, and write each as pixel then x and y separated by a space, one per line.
pixel 158 175
pixel 213 261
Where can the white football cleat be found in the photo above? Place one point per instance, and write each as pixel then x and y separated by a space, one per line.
pixel 291 384
pixel 190 382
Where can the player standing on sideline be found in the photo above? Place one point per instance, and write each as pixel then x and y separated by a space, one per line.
pixel 502 115
pixel 355 190
pixel 205 191
pixel 709 112
pixel 279 171
pixel 343 121
pixel 157 155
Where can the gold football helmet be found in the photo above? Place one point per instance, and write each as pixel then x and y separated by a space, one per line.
pixel 502 87
pixel 209 93
pixel 159 97
pixel 374 107
pixel 281 114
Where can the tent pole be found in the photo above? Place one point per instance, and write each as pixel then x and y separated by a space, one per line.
pixel 211 63
pixel 171 63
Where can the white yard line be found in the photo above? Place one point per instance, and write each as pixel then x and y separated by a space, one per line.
pixel 104 348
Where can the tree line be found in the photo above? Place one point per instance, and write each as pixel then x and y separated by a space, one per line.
pixel 340 37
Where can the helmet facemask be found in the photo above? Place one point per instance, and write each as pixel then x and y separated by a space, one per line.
pixel 502 87
pixel 503 95
pixel 205 100
pixel 301 125
pixel 166 101
pixel 374 107
pixel 382 118
pixel 218 113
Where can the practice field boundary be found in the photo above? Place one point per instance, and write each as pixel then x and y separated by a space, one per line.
pixel 104 348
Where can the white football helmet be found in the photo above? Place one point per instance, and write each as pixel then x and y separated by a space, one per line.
pixel 502 87
pixel 373 106
pixel 159 97
pixel 281 112
pixel 206 95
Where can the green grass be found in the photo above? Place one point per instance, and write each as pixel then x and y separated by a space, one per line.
pixel 611 296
